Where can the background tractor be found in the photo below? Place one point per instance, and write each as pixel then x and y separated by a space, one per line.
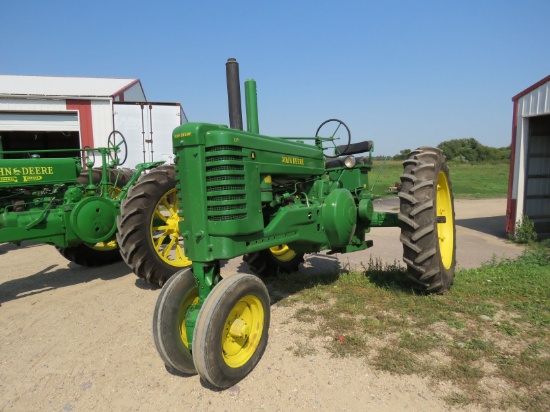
pixel 59 197
pixel 273 200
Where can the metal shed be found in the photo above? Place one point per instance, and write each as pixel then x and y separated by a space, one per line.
pixel 529 181
pixel 49 112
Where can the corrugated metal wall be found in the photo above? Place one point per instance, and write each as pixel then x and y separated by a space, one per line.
pixel 530 192
pixel 536 103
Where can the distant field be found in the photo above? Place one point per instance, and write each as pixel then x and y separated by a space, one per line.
pixel 470 181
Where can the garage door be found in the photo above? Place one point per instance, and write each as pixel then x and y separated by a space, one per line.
pixel 537 189
pixel 39 121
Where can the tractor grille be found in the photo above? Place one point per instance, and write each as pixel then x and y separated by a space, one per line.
pixel 225 183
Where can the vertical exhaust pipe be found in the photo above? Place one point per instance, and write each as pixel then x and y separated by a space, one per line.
pixel 234 94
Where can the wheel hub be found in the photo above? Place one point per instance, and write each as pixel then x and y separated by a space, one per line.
pixel 239 329
pixel 172 225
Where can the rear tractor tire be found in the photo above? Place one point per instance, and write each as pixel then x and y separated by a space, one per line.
pixel 148 227
pixel 267 262
pixel 103 253
pixel 427 220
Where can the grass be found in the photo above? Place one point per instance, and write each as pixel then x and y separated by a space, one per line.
pixel 489 336
pixel 470 181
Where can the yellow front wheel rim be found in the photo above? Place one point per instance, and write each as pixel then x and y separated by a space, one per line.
pixel 165 233
pixel 191 299
pixel 242 331
pixel 445 229
pixel 282 253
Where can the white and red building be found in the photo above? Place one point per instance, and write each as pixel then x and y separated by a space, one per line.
pixel 529 183
pixel 49 112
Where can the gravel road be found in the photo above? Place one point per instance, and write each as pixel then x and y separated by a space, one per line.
pixel 79 339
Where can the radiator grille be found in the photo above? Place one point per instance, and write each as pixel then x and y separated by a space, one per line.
pixel 224 177
pixel 225 183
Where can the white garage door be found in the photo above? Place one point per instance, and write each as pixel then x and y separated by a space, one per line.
pixel 39 121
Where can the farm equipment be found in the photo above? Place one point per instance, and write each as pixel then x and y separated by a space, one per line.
pixel 272 200
pixel 48 196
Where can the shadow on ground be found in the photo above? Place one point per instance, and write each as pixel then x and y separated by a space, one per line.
pixel 53 277
pixel 493 225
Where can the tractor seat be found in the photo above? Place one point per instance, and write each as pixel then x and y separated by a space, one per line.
pixel 354 148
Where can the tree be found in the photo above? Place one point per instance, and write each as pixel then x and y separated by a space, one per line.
pixel 469 149
pixel 402 154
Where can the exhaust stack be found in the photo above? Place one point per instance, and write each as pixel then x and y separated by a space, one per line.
pixel 234 94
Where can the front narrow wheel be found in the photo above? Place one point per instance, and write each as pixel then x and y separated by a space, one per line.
pixel 231 331
pixel 169 331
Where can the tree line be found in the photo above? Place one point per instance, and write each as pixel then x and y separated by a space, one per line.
pixel 466 150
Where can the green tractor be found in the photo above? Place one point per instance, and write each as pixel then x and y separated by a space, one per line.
pixel 273 200
pixel 61 198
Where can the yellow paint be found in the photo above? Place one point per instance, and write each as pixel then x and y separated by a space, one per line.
pixel 242 331
pixel 181 135
pixel 445 231
pixel 292 160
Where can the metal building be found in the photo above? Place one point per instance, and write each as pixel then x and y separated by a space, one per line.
pixel 48 112
pixel 529 182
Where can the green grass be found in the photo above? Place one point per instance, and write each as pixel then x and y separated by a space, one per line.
pixel 470 181
pixel 492 326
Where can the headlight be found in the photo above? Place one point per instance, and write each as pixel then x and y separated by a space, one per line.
pixel 349 161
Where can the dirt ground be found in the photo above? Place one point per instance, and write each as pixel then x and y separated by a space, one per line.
pixel 79 339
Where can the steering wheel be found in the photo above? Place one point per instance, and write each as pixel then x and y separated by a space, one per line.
pixel 337 134
pixel 117 144
pixel 89 156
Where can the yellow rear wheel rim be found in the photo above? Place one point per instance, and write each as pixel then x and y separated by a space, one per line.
pixel 242 331
pixel 165 233
pixel 104 246
pixel 445 230
pixel 282 253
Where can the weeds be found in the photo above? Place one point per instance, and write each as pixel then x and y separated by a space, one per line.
pixel 525 231
pixel 493 325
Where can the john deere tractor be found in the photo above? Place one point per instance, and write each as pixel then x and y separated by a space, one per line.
pixel 67 198
pixel 272 200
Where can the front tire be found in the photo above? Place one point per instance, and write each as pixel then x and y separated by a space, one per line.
pixel 148 227
pixel 169 331
pixel 231 331
pixel 427 220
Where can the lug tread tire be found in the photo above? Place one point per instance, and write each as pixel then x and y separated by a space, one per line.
pixel 264 264
pixel 134 234
pixel 418 221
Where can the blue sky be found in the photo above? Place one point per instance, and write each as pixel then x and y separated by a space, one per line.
pixel 401 73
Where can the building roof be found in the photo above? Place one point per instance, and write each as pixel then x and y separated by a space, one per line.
pixel 57 86
pixel 531 88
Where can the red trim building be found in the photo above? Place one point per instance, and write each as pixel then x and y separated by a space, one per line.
pixel 529 180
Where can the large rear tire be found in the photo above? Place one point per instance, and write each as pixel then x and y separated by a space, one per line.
pixel 103 253
pixel 231 331
pixel 427 220
pixel 267 262
pixel 148 227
